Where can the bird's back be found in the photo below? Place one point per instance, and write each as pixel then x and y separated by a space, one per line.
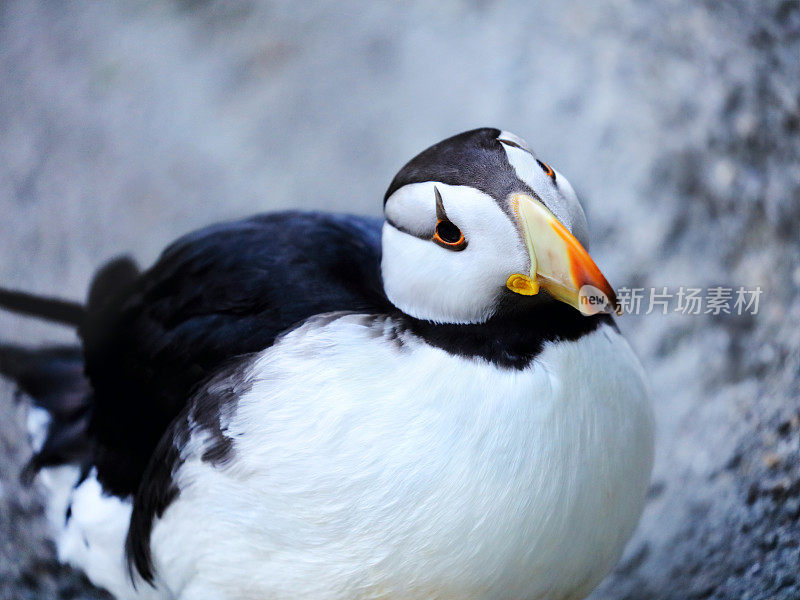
pixel 215 294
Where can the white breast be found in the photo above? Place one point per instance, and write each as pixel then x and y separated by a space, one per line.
pixel 371 466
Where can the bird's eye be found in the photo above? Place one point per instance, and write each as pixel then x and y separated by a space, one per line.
pixel 547 169
pixel 449 236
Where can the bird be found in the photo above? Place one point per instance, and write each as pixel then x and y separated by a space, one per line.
pixel 309 405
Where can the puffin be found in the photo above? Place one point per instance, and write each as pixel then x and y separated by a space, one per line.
pixel 435 405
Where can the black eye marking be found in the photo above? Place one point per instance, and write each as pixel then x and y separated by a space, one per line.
pixel 440 214
pixel 446 234
pixel 547 169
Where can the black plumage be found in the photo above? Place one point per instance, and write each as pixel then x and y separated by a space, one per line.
pixel 54 378
pixel 158 488
pixel 474 158
pixel 218 293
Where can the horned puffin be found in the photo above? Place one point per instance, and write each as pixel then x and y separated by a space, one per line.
pixel 305 405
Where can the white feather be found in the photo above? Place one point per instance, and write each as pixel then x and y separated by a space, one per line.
pixel 38 422
pixel 367 470
pixel 94 540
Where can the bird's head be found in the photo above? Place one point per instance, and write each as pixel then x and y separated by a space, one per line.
pixel 477 225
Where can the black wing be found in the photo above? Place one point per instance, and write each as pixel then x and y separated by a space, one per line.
pixel 213 295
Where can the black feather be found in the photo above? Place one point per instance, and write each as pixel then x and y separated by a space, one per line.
pixel 110 280
pixel 158 488
pixel 53 378
pixel 221 292
pixel 514 336
pixel 52 309
pixel 474 158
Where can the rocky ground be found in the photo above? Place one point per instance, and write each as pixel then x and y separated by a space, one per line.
pixel 125 124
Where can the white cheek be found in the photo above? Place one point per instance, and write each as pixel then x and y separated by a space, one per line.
pixel 429 282
pixel 417 281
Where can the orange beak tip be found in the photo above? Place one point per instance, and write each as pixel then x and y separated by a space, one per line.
pixel 593 300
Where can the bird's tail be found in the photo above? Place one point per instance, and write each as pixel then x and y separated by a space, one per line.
pixel 50 309
pixel 112 277
pixel 86 525
pixel 61 402
pixel 53 376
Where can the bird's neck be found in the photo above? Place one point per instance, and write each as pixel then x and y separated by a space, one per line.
pixel 509 340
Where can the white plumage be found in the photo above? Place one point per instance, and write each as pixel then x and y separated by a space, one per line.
pixel 369 469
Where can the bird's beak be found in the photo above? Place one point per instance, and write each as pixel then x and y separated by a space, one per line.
pixel 559 263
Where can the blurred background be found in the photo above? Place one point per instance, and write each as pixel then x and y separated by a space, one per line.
pixel 126 124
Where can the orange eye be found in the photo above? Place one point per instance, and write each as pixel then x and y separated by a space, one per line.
pixel 547 169
pixel 447 235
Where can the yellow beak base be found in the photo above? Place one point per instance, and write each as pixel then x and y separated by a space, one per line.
pixel 522 284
